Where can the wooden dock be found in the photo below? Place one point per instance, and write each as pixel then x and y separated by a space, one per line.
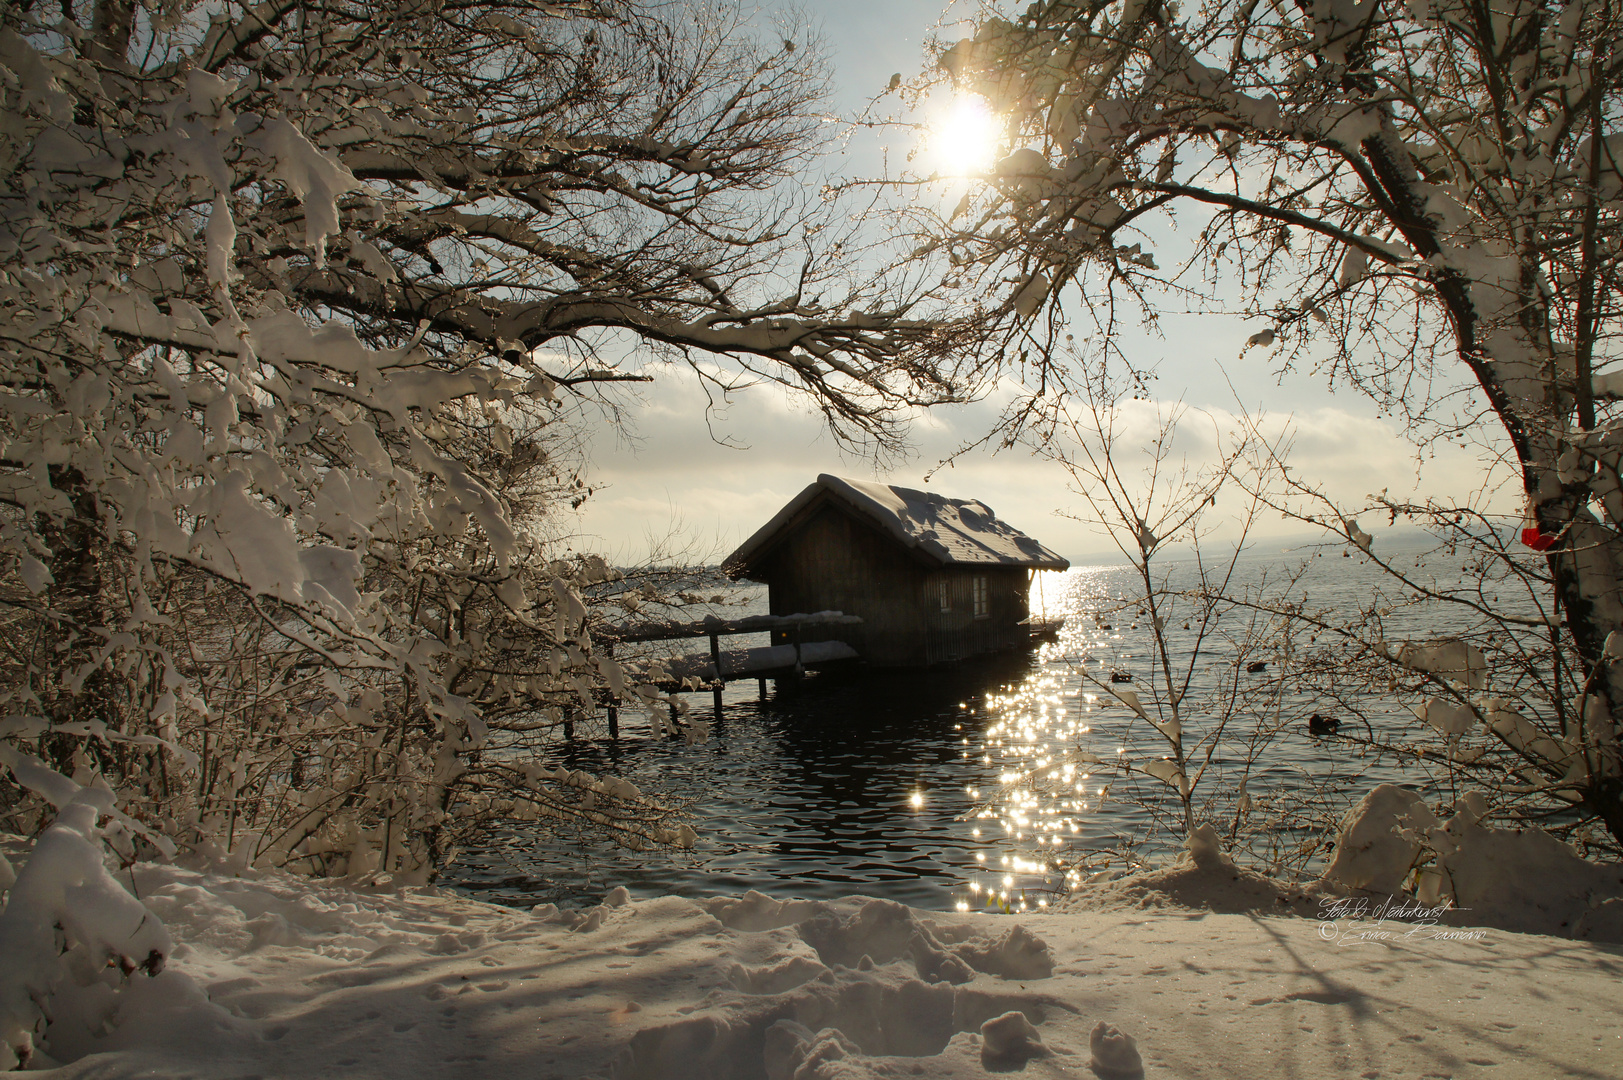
pixel 1044 628
pixel 717 667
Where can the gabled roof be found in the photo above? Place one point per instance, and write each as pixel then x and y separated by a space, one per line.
pixel 947 532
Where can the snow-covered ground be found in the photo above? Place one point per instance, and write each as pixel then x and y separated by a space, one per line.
pixel 1212 972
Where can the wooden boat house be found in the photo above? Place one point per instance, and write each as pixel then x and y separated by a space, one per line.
pixel 934 579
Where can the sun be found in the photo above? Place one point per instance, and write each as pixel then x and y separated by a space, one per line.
pixel 964 136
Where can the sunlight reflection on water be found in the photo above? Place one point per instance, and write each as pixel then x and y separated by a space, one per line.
pixel 993 784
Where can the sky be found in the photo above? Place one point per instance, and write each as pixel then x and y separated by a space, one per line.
pixel 695 478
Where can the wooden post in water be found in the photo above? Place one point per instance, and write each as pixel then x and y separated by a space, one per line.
pixel 800 669
pixel 715 660
pixel 614 705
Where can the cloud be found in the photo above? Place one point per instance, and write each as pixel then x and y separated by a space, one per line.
pixel 678 479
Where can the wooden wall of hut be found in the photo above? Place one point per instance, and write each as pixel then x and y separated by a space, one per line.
pixel 965 619
pixel 913 614
pixel 835 563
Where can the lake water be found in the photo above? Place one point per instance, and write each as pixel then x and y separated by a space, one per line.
pixel 939 788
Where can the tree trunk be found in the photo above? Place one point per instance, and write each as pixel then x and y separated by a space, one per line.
pixel 71 686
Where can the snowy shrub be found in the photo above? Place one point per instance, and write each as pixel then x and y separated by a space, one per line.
pixel 67 919
pixel 296 307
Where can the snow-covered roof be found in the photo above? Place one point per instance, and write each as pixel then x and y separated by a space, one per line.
pixel 947 531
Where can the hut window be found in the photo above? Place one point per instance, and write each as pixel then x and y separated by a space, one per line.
pixel 943 595
pixel 983 607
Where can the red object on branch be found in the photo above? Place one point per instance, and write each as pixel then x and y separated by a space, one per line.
pixel 1536 540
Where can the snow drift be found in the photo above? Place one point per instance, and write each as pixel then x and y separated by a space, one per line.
pixel 1154 975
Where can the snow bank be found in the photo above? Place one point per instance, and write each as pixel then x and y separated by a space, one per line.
pixel 274 976
pixel 1474 875
pixel 1379 839
pixel 290 977
pixel 1526 880
pixel 1202 969
pixel 1204 880
pixel 71 936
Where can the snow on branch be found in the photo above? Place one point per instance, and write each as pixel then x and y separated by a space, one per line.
pixel 1422 203
pixel 285 471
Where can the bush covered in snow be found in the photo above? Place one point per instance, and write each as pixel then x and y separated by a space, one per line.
pixel 297 305
pixel 67 923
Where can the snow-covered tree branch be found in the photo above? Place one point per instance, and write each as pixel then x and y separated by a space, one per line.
pixel 293 303
pixel 1413 184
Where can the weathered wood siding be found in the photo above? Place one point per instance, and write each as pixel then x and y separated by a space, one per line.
pixel 956 629
pixel 834 561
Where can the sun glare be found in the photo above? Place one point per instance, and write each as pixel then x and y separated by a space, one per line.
pixel 964 137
